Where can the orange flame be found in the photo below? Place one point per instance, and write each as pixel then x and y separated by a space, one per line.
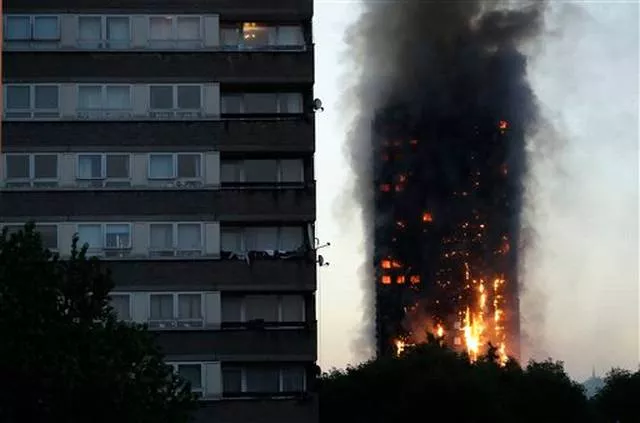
pixel 400 280
pixel 503 124
pixel 386 280
pixel 427 217
pixel 385 264
pixel 414 279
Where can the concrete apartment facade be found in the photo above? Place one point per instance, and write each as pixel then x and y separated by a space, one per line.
pixel 176 138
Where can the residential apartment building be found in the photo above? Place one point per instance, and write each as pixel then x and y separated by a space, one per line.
pixel 176 138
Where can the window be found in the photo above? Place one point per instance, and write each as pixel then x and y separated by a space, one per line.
pixel 269 308
pixel 251 35
pixel 49 235
pixel 104 237
pixel 175 31
pixel 121 304
pixel 180 97
pixel 104 31
pixel 104 169
pixel 263 171
pixel 182 307
pixel 32 28
pixel 293 379
pixel 256 379
pixel 104 97
pixel 263 103
pixel 31 101
pixel 179 239
pixel 232 380
pixel 37 170
pixel 171 166
pixel 191 373
pixel 262 238
pixel 263 380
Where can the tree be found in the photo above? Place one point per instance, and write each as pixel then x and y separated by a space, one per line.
pixel 617 401
pixel 64 356
pixel 434 383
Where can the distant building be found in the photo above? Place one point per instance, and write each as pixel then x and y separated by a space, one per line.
pixel 177 139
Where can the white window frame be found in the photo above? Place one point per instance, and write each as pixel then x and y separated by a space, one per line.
pixel 243 177
pixel 103 179
pixel 243 310
pixel 130 298
pixel 104 42
pixel 175 320
pixel 103 249
pixel 200 391
pixel 244 387
pixel 242 95
pixel 32 112
pixel 32 181
pixel 21 226
pixel 32 27
pixel 176 252
pixel 243 234
pixel 175 107
pixel 174 159
pixel 173 41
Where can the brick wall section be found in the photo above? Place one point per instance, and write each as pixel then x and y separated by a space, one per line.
pixel 225 67
pixel 295 135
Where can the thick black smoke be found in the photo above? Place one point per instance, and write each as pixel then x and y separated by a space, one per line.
pixel 438 148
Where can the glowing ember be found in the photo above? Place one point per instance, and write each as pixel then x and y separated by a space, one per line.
pixel 503 125
pixel 427 217
pixel 385 187
pixel 386 280
pixel 400 280
pixel 385 264
pixel 414 279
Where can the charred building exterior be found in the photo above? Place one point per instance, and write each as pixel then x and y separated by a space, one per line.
pixel 176 138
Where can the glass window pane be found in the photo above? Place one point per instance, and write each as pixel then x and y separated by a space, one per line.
pixel 191 373
pixel 161 97
pixel 293 379
pixel 261 171
pixel 46 97
pixel 231 309
pixel 45 166
pixel 231 380
pixel 18 166
pixel 161 166
pixel 118 236
pixel 230 36
pixel 89 166
pixel 232 103
pixel 90 97
pixel 46 28
pixel 188 165
pixel 291 170
pixel 18 28
pixel 189 97
pixel 260 103
pixel 161 307
pixel 292 308
pixel 49 235
pixel 18 97
pixel 118 29
pixel 230 171
pixel 121 306
pixel 118 97
pixel 189 236
pixel 261 239
pixel 290 103
pixel 189 28
pixel 189 306
pixel 291 238
pixel 231 240
pixel 117 166
pixel 290 36
pixel 255 35
pixel 263 380
pixel 89 28
pixel 160 28
pixel 161 236
pixel 262 307
pixel 90 234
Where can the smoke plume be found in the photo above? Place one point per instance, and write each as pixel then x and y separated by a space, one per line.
pixel 438 152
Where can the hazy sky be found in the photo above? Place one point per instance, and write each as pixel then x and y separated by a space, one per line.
pixel 582 301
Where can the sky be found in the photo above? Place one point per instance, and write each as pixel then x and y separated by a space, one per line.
pixel 581 298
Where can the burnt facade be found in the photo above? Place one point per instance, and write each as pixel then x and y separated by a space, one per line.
pixel 177 139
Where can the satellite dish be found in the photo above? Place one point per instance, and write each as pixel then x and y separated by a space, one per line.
pixel 317 105
pixel 320 260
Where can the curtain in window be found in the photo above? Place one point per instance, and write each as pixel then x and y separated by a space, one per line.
pixel 45 28
pixel 290 103
pixel 263 307
pixel 292 308
pixel 263 380
pixel 161 307
pixel 192 373
pixel 120 304
pixel 18 97
pixel 189 237
pixel 290 36
pixel 118 236
pixel 291 238
pixel 231 309
pixel 160 28
pixel 161 237
pixel 231 240
pixel 89 166
pixel 46 97
pixel 188 28
pixel 90 97
pixel 18 28
pixel 90 234
pixel 118 97
pixel 189 306
pixel 261 239
pixel 118 30
pixel 293 379
pixel 161 166
pixel 291 170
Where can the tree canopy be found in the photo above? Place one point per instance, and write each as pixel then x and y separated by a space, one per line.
pixel 64 356
pixel 433 381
